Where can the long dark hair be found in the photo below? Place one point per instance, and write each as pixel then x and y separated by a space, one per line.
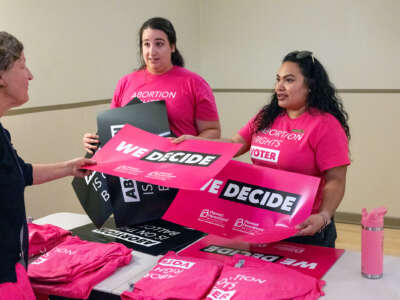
pixel 322 93
pixel 167 27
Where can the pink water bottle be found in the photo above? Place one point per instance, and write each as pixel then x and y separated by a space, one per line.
pixel 372 243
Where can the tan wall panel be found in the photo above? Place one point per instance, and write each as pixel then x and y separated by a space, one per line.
pixel 48 137
pixel 373 175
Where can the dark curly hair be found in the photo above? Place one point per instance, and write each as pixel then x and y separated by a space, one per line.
pixel 167 27
pixel 322 93
pixel 10 50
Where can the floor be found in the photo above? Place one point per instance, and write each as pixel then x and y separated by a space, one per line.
pixel 349 238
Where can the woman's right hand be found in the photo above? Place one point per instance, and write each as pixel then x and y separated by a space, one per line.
pixel 90 142
pixel 184 137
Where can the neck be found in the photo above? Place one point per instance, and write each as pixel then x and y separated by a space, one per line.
pixel 160 72
pixel 3 106
pixel 295 113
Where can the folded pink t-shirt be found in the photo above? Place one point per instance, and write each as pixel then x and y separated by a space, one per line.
pixel 256 279
pixel 43 238
pixel 176 277
pixel 74 267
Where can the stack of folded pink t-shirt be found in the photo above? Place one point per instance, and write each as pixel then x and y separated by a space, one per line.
pixel 43 238
pixel 74 267
pixel 250 278
pixel 176 277
pixel 242 278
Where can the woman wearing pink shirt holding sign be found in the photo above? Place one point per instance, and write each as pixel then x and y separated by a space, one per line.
pixel 304 130
pixel 189 99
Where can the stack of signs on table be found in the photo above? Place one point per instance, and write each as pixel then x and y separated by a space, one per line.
pixel 131 201
pixel 308 259
pixel 154 237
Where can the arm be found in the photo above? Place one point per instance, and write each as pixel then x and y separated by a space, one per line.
pixel 332 195
pixel 47 172
pixel 235 139
pixel 209 129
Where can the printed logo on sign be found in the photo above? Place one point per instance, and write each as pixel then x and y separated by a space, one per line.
pixel 181 157
pixel 129 190
pixel 171 262
pixel 261 197
pixel 204 213
pixel 247 227
pixel 218 294
pixel 213 218
pixel 265 154
pixel 239 222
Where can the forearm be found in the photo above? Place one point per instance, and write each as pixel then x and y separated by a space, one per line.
pixel 332 194
pixel 47 172
pixel 210 133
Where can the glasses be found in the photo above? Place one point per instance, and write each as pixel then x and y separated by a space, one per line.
pixel 303 54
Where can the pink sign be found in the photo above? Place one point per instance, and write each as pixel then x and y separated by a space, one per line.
pixel 311 260
pixel 136 154
pixel 247 202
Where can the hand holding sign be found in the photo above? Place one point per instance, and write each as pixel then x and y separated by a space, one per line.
pixel 247 202
pixel 139 155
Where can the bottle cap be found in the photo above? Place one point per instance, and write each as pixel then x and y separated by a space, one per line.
pixel 374 218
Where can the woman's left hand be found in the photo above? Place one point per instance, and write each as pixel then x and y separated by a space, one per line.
pixel 313 224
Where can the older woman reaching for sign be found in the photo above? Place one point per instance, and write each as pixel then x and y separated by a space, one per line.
pixel 15 174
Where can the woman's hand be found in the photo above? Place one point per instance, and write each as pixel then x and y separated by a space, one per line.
pixel 75 166
pixel 313 224
pixel 185 137
pixel 90 142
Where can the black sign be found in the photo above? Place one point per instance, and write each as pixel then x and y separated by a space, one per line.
pixel 155 238
pixel 132 202
pixel 94 195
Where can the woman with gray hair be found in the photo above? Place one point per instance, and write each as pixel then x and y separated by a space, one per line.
pixel 15 174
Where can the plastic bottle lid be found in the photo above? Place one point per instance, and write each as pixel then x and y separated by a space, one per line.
pixel 374 218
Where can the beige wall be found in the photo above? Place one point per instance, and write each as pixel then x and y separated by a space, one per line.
pixel 234 45
pixel 243 42
pixel 79 49
pixel 373 174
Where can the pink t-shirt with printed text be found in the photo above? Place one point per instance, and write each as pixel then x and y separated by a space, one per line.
pixel 310 144
pixel 188 97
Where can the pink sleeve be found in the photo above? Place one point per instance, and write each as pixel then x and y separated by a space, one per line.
pixel 206 108
pixel 247 131
pixel 331 145
pixel 116 100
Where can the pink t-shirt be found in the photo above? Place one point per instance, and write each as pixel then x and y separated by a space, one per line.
pixel 43 238
pixel 310 144
pixel 74 267
pixel 188 97
pixel 176 277
pixel 253 278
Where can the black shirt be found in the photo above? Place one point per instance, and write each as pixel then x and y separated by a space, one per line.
pixel 15 174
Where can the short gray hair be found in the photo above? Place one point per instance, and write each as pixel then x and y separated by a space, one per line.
pixel 10 50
